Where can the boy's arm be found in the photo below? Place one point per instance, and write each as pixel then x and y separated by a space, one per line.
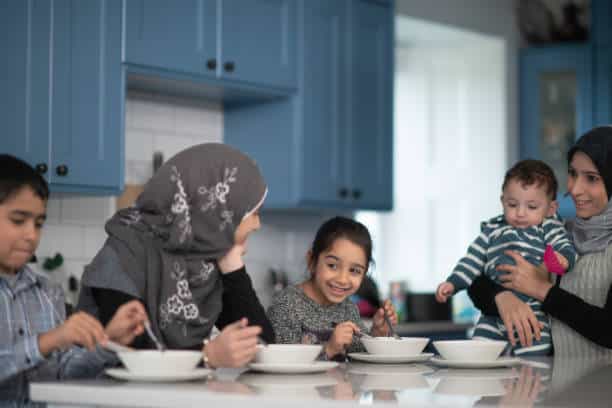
pixel 471 265
pixel 19 356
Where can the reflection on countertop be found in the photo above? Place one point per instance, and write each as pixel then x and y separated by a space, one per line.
pixel 536 382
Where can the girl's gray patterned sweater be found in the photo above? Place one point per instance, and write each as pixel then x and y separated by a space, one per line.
pixel 298 319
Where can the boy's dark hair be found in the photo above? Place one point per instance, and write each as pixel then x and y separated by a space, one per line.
pixel 341 227
pixel 529 172
pixel 16 174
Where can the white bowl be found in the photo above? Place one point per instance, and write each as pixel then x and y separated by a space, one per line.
pixel 470 350
pixel 162 362
pixel 287 353
pixel 406 346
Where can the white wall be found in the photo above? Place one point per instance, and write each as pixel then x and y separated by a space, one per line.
pixel 75 224
pixel 491 17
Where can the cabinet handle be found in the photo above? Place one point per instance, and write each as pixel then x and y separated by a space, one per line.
pixel 211 64
pixel 343 192
pixel 356 194
pixel 229 66
pixel 41 168
pixel 62 170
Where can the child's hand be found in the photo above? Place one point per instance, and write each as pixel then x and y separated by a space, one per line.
pixel 80 328
pixel 379 326
pixel 127 323
pixel 341 338
pixel 444 291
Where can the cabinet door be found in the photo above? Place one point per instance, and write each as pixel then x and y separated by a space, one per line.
pixel 87 142
pixel 259 41
pixel 370 132
pixel 555 108
pixel 603 91
pixel 177 35
pixel 324 89
pixel 24 77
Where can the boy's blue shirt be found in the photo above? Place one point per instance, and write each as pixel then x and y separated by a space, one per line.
pixel 34 305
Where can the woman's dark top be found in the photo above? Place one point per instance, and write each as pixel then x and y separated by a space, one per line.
pixel 239 300
pixel 594 323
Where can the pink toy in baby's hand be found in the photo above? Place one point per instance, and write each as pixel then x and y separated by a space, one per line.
pixel 552 263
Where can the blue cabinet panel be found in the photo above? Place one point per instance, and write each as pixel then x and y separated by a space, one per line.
pixel 64 91
pixel 258 41
pixel 247 41
pixel 178 35
pixel 603 90
pixel 88 96
pixel 535 65
pixel 324 101
pixel 333 137
pixel 370 129
pixel 24 79
pixel 601 19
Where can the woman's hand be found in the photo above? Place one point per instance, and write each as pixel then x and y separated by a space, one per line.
pixel 524 391
pixel 525 277
pixel 379 326
pixel 444 291
pixel 235 346
pixel 127 323
pixel 232 260
pixel 517 315
pixel 341 338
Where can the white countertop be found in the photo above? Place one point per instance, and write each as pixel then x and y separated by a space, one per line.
pixel 543 381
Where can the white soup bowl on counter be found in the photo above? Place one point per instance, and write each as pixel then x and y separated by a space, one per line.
pixel 287 353
pixel 470 350
pixel 406 346
pixel 160 362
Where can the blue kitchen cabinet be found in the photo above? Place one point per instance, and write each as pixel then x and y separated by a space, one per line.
pixel 249 42
pixel 178 36
pixel 63 85
pixel 556 106
pixel 24 75
pixel 603 90
pixel 329 145
pixel 370 126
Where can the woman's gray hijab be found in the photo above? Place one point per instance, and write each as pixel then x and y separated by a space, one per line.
pixel 595 234
pixel 181 224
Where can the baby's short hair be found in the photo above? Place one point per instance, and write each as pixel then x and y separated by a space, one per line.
pixel 529 172
pixel 16 174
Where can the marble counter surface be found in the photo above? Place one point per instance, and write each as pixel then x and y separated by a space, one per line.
pixel 536 382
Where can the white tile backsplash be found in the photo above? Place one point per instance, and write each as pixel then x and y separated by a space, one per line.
pixel 75 226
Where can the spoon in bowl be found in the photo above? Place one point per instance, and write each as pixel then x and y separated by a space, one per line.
pixel 391 329
pixel 153 337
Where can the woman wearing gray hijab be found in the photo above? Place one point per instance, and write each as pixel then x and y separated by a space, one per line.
pixel 580 303
pixel 179 250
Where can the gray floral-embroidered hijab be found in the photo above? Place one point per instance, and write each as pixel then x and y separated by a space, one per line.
pixel 181 224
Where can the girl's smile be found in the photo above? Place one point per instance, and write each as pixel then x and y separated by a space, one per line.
pixel 337 274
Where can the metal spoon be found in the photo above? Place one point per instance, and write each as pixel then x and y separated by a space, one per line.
pixel 116 347
pixel 391 329
pixel 153 337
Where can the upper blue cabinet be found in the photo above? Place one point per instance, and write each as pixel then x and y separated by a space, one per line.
pixel 251 42
pixel 63 87
pixel 330 145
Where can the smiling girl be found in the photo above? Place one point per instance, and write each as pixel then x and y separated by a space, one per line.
pixel 319 311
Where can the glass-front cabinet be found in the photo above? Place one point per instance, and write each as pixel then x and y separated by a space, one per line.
pixel 555 107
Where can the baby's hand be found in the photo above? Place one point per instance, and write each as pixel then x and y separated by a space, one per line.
pixel 379 326
pixel 341 338
pixel 562 260
pixel 444 291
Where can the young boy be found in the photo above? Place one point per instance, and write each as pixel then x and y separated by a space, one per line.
pixel 529 226
pixel 36 341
